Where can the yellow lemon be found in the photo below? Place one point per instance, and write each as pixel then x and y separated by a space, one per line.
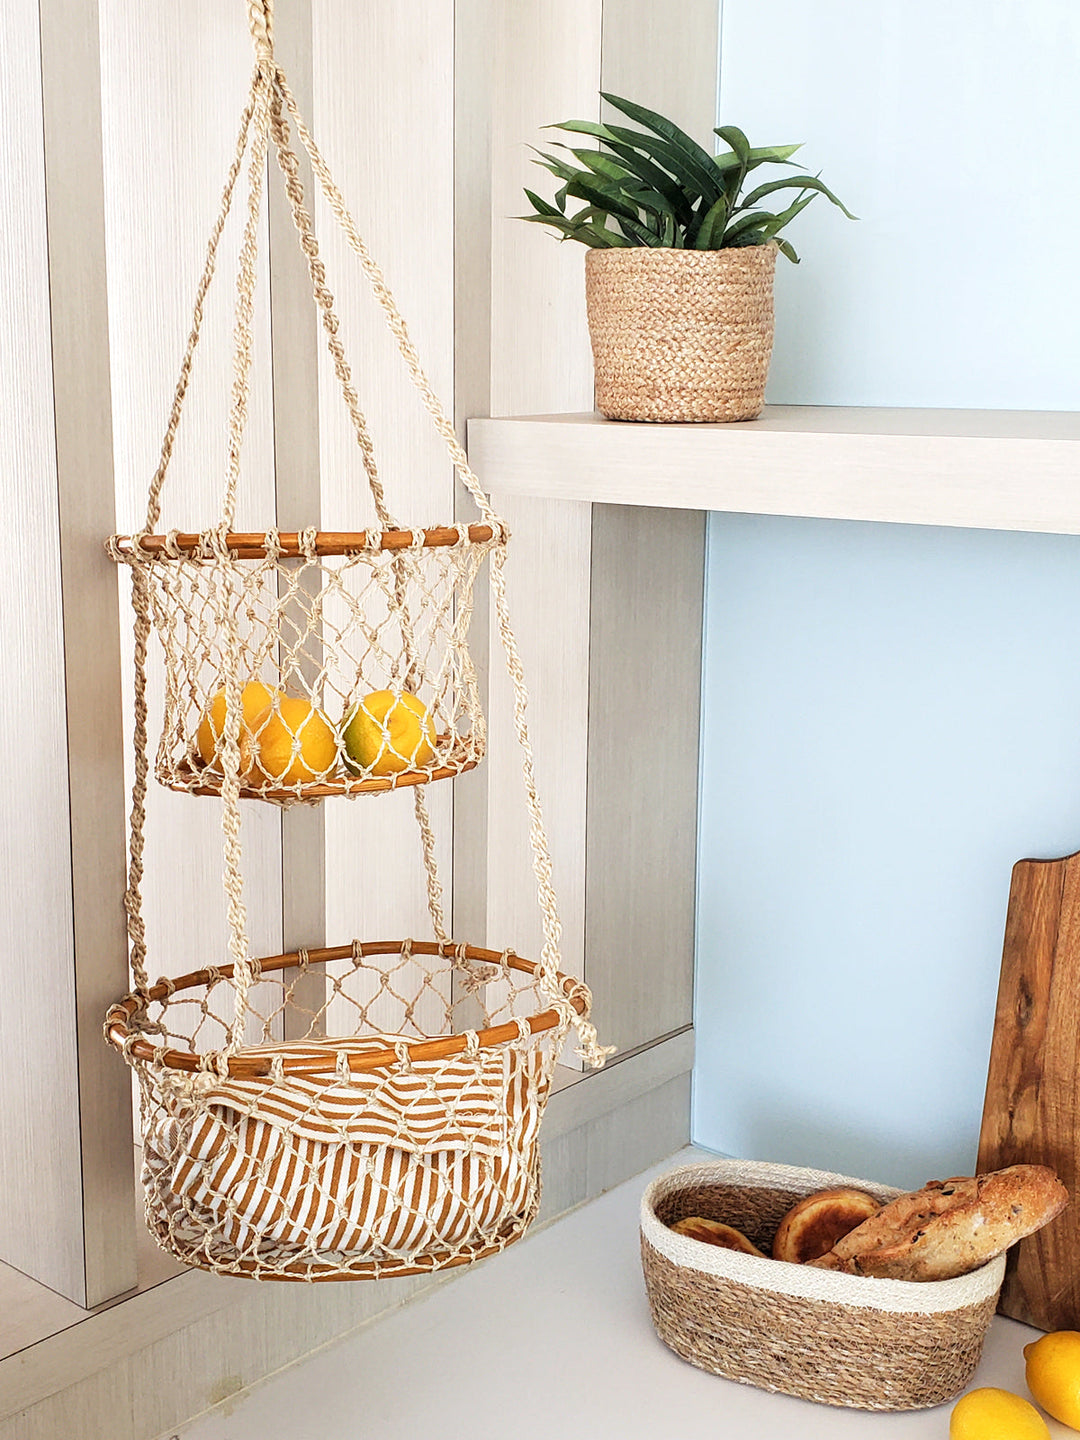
pixel 254 698
pixel 1053 1374
pixel 388 733
pixel 294 743
pixel 990 1414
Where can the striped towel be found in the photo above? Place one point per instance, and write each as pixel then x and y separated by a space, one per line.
pixel 390 1164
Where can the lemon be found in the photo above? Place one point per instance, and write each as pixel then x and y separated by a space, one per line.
pixel 990 1414
pixel 388 733
pixel 254 697
pixel 1053 1374
pixel 294 743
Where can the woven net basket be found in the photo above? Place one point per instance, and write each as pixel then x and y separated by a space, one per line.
pixel 369 1109
pixel 348 656
pixel 680 334
pixel 837 1339
pixel 389 1150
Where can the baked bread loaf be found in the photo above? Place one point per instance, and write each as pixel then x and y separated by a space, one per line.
pixel 813 1226
pixel 715 1232
pixel 950 1227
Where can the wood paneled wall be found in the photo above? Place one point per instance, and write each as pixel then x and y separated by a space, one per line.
pixel 41 1224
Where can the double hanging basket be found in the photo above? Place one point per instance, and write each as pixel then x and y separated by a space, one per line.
pixel 371 1108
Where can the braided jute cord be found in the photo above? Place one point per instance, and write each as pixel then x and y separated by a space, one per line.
pixel 270 108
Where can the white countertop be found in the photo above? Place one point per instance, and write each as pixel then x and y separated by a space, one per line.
pixel 553 1341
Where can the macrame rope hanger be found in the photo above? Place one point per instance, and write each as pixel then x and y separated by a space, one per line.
pixel 198 593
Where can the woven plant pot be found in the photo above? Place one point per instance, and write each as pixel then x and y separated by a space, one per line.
pixel 680 334
pixel 837 1339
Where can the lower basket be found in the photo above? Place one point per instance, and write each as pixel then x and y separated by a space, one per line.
pixel 837 1339
pixel 391 1150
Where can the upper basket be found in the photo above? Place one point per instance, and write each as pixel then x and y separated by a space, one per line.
pixel 306 664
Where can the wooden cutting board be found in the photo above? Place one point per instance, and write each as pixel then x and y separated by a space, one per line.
pixel 1032 1109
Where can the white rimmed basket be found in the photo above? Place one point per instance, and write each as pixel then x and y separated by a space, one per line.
pixel 836 1339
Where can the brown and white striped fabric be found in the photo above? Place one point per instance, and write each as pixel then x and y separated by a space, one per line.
pixel 410 1160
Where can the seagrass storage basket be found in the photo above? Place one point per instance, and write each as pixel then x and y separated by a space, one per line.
pixel 680 334
pixel 837 1339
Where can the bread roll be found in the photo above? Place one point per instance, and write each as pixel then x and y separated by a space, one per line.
pixel 811 1228
pixel 950 1227
pixel 715 1232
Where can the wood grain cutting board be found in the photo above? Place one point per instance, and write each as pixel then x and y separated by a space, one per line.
pixel 1032 1109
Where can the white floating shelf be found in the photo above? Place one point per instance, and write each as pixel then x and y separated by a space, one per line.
pixel 988 469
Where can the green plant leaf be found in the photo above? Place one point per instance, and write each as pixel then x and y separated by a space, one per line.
pixel 737 140
pixel 786 248
pixel 766 154
pixel 543 207
pixel 595 236
pixel 712 226
pixel 637 233
pixel 656 177
pixel 601 197
pixel 600 163
pixel 734 175
pixel 794 182
pixel 555 165
pixel 697 161
pixel 776 224
pixel 752 220
pixel 664 157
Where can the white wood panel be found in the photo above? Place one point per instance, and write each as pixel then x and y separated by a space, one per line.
pixel 989 469
pixel 474 74
pixel 173 85
pixel 70 78
pixel 41 1224
pixel 384 116
pixel 644 723
pixel 547 68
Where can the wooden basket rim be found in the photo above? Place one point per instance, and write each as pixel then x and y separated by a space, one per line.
pixel 251 544
pixel 118 1028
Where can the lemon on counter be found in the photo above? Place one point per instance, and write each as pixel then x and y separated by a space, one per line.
pixel 1053 1374
pixel 388 733
pixel 294 743
pixel 990 1414
pixel 254 698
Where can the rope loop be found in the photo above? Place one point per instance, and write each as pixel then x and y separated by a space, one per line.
pixel 404 1057
pixel 307 544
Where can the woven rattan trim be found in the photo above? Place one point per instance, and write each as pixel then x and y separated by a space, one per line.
pixel 251 545
pixel 121 1033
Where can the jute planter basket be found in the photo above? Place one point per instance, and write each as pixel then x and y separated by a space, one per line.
pixel 836 1339
pixel 680 334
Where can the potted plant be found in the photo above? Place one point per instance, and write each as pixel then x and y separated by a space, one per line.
pixel 679 274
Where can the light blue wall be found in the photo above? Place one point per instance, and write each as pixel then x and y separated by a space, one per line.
pixel 891 713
